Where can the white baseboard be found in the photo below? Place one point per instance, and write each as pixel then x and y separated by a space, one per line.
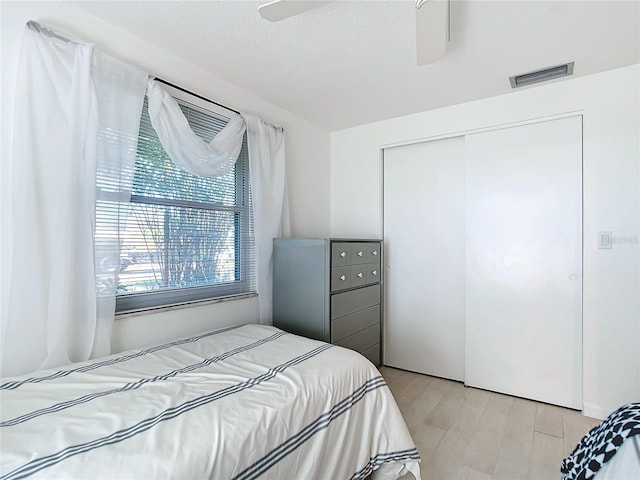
pixel 594 411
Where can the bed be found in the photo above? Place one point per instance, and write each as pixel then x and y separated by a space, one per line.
pixel 242 402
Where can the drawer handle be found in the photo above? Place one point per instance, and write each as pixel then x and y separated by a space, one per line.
pixel 374 253
pixel 360 275
pixel 343 277
pixel 343 254
pixel 360 254
pixel 374 273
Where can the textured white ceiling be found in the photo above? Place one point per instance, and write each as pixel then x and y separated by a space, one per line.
pixel 354 62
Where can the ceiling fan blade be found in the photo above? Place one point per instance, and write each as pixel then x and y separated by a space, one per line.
pixel 280 9
pixel 432 30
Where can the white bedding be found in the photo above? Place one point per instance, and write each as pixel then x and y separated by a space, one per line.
pixel 625 464
pixel 242 402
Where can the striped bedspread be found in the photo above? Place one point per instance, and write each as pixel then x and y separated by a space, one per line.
pixel 243 402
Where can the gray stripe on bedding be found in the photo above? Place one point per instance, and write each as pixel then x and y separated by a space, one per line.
pixel 42 463
pixel 382 458
pixel 135 385
pixel 112 361
pixel 319 424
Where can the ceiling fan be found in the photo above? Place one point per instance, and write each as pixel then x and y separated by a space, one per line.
pixel 432 22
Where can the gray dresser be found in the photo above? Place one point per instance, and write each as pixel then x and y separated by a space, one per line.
pixel 330 290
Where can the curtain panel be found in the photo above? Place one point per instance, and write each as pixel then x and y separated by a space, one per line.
pixel 73 114
pixel 184 147
pixel 76 129
pixel 270 203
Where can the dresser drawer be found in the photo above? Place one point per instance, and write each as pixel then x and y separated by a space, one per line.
pixel 340 278
pixel 373 272
pixel 359 253
pixel 349 324
pixel 340 254
pixel 373 252
pixel 348 302
pixel 358 275
pixel 362 340
pixel 373 354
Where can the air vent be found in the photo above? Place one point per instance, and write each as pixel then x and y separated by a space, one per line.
pixel 541 75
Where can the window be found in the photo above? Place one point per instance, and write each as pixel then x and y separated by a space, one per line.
pixel 185 237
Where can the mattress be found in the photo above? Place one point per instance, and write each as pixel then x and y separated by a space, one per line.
pixel 243 402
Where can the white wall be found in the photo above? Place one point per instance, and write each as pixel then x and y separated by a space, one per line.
pixel 307 147
pixel 610 104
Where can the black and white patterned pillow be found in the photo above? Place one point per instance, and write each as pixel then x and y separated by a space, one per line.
pixel 603 441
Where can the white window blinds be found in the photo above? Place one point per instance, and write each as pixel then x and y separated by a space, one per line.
pixel 186 237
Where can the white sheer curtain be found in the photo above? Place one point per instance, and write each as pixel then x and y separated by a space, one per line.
pixel 270 204
pixel 266 168
pixel 120 90
pixel 76 125
pixel 184 147
pixel 64 95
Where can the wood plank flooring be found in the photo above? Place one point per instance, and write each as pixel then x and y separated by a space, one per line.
pixel 467 433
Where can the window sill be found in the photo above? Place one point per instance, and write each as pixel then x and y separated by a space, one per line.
pixel 178 306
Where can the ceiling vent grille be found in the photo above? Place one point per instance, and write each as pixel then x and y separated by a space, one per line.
pixel 541 75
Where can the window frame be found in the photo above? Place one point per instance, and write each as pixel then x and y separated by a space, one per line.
pixel 245 263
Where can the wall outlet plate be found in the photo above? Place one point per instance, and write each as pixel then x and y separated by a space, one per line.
pixel 605 240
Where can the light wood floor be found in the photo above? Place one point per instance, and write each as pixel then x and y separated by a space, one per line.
pixel 467 433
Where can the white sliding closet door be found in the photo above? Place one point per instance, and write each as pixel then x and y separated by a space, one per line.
pixel 424 254
pixel 524 261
